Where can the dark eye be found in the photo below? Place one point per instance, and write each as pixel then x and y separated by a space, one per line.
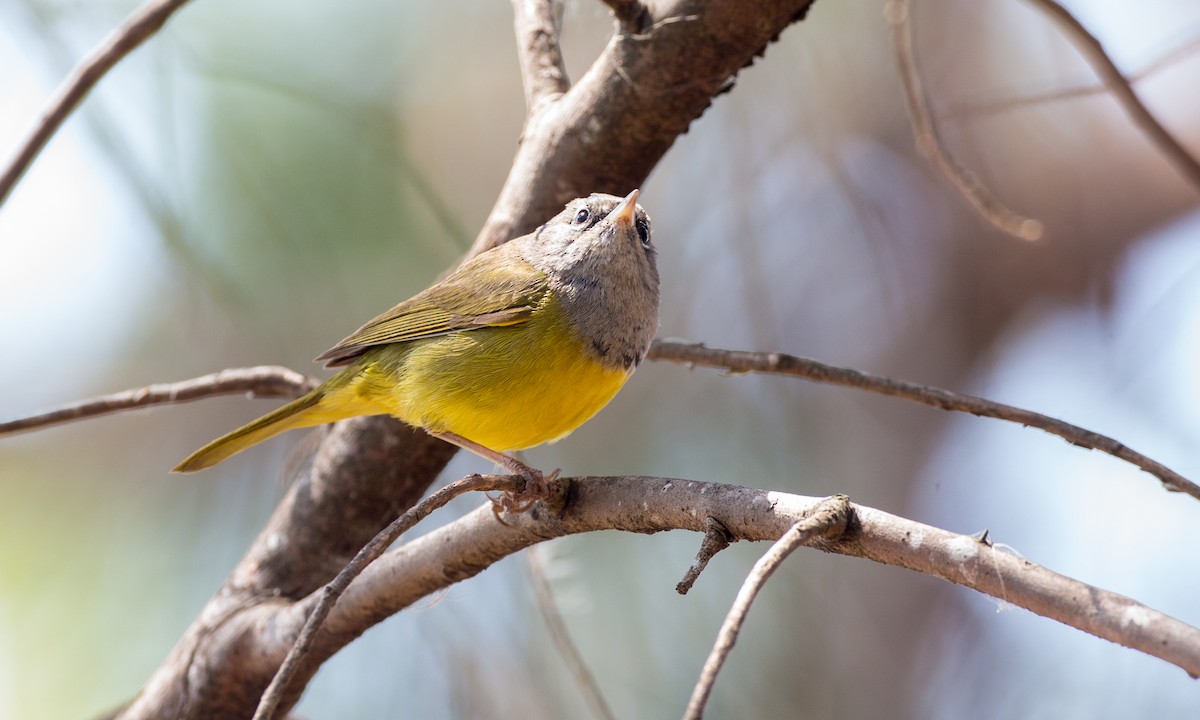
pixel 643 230
pixel 582 216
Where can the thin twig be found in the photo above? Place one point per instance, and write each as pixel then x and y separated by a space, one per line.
pixel 1091 49
pixel 263 381
pixel 828 521
pixel 929 142
pixel 716 539
pixel 548 608
pixel 738 361
pixel 1004 104
pixel 328 595
pixel 137 28
pixel 543 72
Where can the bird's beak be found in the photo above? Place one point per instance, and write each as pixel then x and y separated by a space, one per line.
pixel 623 213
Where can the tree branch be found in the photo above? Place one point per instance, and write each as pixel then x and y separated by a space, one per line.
pixel 1093 51
pixel 738 361
pixel 467 546
pixel 366 472
pixel 261 381
pixel 929 142
pixel 543 73
pixel 612 127
pixel 137 28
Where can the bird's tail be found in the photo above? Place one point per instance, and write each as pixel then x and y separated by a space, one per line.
pixel 297 413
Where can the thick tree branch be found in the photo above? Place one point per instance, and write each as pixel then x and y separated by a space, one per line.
pixel 261 381
pixel 630 14
pixel 738 361
pixel 612 127
pixel 366 472
pixel 467 546
pixel 137 28
pixel 237 642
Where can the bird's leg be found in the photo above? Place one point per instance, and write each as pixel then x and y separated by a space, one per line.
pixel 537 485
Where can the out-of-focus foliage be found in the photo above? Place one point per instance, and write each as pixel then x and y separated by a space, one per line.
pixel 261 178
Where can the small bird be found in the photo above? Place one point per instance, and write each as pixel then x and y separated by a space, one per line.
pixel 517 347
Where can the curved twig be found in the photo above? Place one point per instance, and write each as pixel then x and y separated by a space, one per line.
pixel 137 28
pixel 1004 104
pixel 739 361
pixel 827 522
pixel 263 381
pixel 988 208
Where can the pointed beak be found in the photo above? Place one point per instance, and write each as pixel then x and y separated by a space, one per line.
pixel 623 213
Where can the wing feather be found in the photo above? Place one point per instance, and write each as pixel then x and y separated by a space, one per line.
pixel 493 289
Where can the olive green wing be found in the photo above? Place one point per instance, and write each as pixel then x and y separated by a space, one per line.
pixel 493 289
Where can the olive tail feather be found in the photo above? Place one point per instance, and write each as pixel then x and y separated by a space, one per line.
pixel 292 415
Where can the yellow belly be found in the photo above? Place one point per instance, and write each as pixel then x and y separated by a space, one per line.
pixel 506 388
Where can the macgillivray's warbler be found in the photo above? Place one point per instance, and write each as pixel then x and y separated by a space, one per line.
pixel 517 347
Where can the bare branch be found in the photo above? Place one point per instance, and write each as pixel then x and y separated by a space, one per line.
pixel 716 539
pixel 329 594
pixel 262 381
pixel 1091 49
pixel 827 523
pixel 930 143
pixel 469 545
pixel 137 28
pixel 548 609
pixel 740 361
pixel 543 72
pixel 474 542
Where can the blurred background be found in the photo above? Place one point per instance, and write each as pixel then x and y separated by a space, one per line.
pixel 261 178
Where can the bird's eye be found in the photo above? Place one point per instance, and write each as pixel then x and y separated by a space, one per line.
pixel 643 231
pixel 582 216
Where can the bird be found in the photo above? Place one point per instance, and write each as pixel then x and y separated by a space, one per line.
pixel 518 347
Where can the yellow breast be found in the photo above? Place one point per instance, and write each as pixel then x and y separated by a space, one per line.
pixel 506 388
